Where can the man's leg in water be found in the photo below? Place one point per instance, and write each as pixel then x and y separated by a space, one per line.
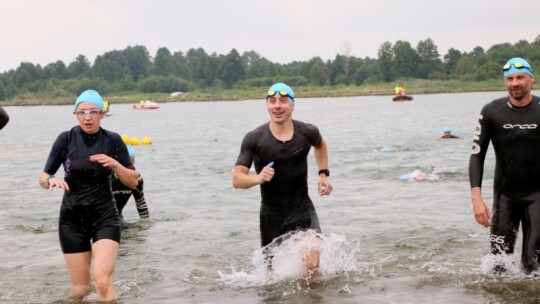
pixel 504 228
pixel 311 253
pixel 531 237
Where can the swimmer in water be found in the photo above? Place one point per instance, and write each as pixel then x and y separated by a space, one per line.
pixel 89 225
pixel 285 206
pixel 447 133
pixel 511 124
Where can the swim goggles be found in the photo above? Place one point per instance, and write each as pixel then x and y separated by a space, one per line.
pixel 92 113
pixel 517 65
pixel 281 93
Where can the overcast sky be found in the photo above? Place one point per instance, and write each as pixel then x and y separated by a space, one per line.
pixel 44 31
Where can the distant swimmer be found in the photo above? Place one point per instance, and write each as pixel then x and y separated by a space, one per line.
pixel 418 175
pixel 122 193
pixel 4 118
pixel 89 226
pixel 512 125
pixel 447 133
pixel 285 144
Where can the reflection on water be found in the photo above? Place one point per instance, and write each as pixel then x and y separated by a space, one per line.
pixel 387 240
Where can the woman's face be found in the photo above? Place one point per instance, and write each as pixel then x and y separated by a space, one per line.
pixel 89 116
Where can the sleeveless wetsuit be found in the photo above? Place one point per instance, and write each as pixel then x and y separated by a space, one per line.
pixel 122 193
pixel 88 212
pixel 515 136
pixel 285 204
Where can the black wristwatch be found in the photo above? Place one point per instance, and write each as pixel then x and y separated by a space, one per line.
pixel 325 171
pixel 48 180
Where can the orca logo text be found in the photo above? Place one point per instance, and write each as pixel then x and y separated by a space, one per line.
pixel 522 127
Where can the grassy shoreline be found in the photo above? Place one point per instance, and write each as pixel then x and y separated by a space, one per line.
pixel 413 86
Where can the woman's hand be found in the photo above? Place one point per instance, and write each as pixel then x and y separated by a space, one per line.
pixel 105 161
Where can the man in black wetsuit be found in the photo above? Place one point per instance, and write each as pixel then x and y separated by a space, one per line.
pixel 4 118
pixel 512 124
pixel 122 193
pixel 279 152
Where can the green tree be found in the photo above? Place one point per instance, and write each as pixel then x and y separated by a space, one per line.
pixel 405 59
pixel 78 85
pixel 386 61
pixel 337 70
pixel 479 56
pixel 138 60
pixel 182 69
pixel 262 68
pixel 110 70
pixel 80 67
pixel 319 73
pixel 465 65
pixel 232 69
pixel 26 74
pixel 125 84
pixel 166 84
pixel 248 58
pixel 429 59
pixel 164 63
pixel 451 59
pixel 212 69
pixel 56 70
pixel 195 60
pixel 500 53
pixel 2 91
pixel 489 70
pixel 537 40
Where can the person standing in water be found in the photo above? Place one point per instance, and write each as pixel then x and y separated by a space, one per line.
pixel 89 225
pixel 279 150
pixel 122 193
pixel 512 125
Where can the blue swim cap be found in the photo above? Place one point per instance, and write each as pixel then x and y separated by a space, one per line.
pixel 90 96
pixel 517 65
pixel 278 87
pixel 131 151
pixel 447 129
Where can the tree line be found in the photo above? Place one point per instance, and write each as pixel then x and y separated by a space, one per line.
pixel 135 70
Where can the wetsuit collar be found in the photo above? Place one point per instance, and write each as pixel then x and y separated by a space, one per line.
pixel 514 107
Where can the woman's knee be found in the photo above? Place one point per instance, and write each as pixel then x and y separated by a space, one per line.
pixel 79 291
pixel 103 284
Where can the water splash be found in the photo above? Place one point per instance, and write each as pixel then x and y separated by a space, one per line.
pixel 338 257
pixel 511 263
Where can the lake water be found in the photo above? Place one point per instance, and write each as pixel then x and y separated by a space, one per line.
pixel 386 240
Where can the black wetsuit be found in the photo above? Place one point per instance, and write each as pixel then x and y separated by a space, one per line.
pixel 88 212
pixel 285 204
pixel 122 193
pixel 515 136
pixel 4 118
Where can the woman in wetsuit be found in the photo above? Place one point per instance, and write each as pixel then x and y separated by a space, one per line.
pixel 89 226
pixel 512 124
pixel 284 143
